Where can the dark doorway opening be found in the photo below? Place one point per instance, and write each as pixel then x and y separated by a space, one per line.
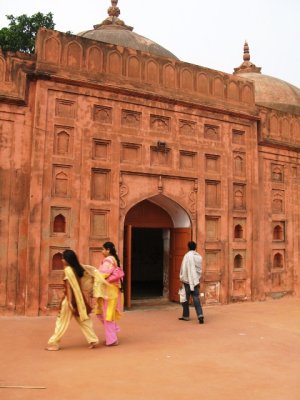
pixel 147 263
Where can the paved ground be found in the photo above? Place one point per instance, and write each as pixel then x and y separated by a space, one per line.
pixel 244 351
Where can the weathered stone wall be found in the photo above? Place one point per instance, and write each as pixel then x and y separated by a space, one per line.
pixel 93 129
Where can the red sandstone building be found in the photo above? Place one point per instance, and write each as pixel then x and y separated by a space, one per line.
pixel 106 135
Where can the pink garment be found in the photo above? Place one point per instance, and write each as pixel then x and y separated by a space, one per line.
pixel 110 327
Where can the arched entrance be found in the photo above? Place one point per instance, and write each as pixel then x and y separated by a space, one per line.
pixel 155 239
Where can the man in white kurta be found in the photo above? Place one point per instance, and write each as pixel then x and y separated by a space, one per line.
pixel 190 274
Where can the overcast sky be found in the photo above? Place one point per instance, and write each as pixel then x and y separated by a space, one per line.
pixel 210 33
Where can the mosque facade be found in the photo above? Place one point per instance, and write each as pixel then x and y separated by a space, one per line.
pixel 106 135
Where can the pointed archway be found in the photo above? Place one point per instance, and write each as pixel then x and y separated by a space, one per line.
pixel 156 232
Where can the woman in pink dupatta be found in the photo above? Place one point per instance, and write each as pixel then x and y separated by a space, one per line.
pixel 108 311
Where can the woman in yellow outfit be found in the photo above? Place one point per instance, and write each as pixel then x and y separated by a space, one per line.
pixel 74 303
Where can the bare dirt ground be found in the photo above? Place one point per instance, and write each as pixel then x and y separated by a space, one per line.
pixel 243 351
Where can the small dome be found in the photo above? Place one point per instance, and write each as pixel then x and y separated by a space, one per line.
pixel 274 93
pixel 113 30
pixel 269 91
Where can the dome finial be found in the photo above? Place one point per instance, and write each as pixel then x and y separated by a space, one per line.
pixel 114 11
pixel 113 18
pixel 247 65
pixel 246 56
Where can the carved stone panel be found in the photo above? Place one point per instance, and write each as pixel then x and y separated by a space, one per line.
pixel 212 194
pixel 239 288
pixel 95 256
pixel 159 123
pixel 63 140
pixel 212 163
pixel 278 203
pixel 212 292
pixel 212 261
pixel 211 132
pixel 187 128
pixel 102 114
pixel 99 224
pixel 277 173
pixel 238 137
pixel 161 157
pixel 239 196
pixel 56 293
pixel 65 108
pixel 131 119
pixel 239 164
pixel 187 160
pixel 212 228
pixel 61 181
pixel 131 153
pixel 101 149
pixel 100 184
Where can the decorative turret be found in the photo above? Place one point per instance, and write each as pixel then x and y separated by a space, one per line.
pixel 247 65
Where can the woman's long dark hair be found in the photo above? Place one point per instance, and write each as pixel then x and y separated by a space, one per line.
pixel 71 258
pixel 111 247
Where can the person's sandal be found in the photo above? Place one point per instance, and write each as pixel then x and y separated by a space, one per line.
pixel 92 345
pixel 52 348
pixel 113 344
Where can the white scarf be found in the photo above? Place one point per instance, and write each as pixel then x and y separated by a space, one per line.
pixel 191 269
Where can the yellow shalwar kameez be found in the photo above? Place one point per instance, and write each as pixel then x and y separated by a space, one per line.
pixel 92 283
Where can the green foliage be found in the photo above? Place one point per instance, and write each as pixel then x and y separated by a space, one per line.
pixel 21 32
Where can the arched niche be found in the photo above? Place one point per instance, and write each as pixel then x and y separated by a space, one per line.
pixel 133 67
pixel 278 232
pixel 277 261
pixel 152 71
pixel 95 59
pixel 186 79
pixel 74 55
pixel 57 263
pixel 233 91
pixel 238 232
pixel 238 262
pixel 52 50
pixel 114 63
pixel 169 77
pixel 202 83
pixel 59 224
